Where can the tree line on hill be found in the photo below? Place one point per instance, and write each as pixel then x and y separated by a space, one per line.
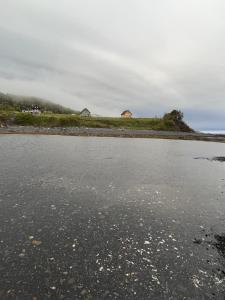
pixel 10 102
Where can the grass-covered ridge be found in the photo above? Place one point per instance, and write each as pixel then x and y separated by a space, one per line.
pixel 54 115
pixel 60 120
pixel 9 102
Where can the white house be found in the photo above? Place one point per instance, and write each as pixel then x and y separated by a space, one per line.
pixel 85 113
pixel 35 110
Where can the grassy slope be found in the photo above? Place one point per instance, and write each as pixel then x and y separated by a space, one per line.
pixel 11 106
pixel 60 120
pixel 10 102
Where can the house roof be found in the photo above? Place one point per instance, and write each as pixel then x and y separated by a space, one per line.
pixel 85 110
pixel 125 112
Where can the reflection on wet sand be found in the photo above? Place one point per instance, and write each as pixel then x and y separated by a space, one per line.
pixel 92 218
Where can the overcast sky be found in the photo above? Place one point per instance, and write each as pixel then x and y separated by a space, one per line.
pixel 148 56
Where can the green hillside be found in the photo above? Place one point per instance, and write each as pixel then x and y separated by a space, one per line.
pixel 168 122
pixel 10 102
pixel 54 115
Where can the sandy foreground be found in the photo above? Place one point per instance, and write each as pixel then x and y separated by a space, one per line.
pixel 111 218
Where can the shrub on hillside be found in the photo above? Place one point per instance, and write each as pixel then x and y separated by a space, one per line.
pixel 24 119
pixel 175 115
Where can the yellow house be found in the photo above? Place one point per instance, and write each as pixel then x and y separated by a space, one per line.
pixel 126 114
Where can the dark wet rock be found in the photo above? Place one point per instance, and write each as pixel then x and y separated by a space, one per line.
pixel 219 158
pixel 220 243
pixel 215 158
pixel 215 241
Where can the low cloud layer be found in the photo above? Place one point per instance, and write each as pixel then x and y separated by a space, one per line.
pixel 148 56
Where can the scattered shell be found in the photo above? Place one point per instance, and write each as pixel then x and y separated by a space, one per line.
pixel 36 243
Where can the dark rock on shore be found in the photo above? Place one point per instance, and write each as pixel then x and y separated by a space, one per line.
pixel 216 158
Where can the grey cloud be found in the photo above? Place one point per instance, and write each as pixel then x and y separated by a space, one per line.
pixel 148 56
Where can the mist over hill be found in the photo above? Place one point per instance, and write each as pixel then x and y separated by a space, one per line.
pixel 12 102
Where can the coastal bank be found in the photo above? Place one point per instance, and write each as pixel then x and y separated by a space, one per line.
pixel 113 132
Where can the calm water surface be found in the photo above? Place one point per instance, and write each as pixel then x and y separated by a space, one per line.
pixel 110 218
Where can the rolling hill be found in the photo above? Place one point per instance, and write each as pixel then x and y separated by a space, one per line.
pixel 10 102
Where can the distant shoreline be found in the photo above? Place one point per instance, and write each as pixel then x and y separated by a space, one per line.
pixel 111 132
pixel 214 132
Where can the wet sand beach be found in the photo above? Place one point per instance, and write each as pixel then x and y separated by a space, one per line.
pixel 109 218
